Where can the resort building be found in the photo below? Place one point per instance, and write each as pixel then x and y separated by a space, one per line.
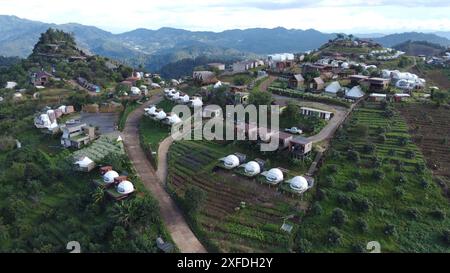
pixel 77 135
pixel 326 115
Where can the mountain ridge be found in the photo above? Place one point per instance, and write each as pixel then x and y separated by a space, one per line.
pixel 153 49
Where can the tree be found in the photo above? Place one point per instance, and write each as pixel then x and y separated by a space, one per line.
pixel 303 246
pixel 98 195
pixel 239 80
pixel 334 237
pixel 119 239
pixel 7 143
pixel 317 208
pixel 260 98
pixel 446 237
pixel 339 217
pixel 309 76
pixel 389 230
pixel 439 97
pixel 361 130
pixel 194 198
pixel 353 156
pixel 362 225
pixel 369 148
pixel 352 185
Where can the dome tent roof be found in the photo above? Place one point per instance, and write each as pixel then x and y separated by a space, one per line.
pixel 197 102
pixel 252 167
pixel 185 98
pixel 231 161
pixel 299 184
pixel 161 115
pixel 125 187
pixel 109 176
pixel 173 119
pixel 135 90
pixel 275 175
pixel 151 110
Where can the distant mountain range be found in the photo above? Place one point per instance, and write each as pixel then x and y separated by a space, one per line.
pixel 398 38
pixel 154 49
pixel 421 48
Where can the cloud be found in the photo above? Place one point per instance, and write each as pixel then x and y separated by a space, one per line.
pixel 216 15
pixel 298 4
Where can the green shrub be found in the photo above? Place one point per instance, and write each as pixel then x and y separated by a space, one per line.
pixel 339 217
pixel 446 237
pixel 413 213
pixel 343 199
pixel 362 204
pixel 352 185
pixel 389 230
pixel 369 148
pixel 317 208
pixel 438 214
pixel 304 246
pixel 378 175
pixel 362 225
pixel 334 237
pixel 7 143
pixel 353 156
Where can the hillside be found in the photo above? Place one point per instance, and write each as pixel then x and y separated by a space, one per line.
pixel 44 202
pixel 53 53
pixel 145 47
pixel 154 49
pixel 416 48
pixel 398 38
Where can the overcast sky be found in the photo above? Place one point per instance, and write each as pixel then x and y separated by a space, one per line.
pixel 351 16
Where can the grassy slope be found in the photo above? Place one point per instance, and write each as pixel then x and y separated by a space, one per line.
pixel 413 235
pixel 255 228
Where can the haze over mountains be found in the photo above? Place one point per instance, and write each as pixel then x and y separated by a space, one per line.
pixel 155 48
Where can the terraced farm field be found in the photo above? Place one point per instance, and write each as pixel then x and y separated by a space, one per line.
pixel 224 223
pixel 100 148
pixel 430 127
pixel 374 186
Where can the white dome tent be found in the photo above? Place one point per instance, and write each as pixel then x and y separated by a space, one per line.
pixel 196 102
pixel 175 96
pixel 150 111
pixel 252 168
pixel 184 99
pixel 273 176
pixel 160 115
pixel 125 187
pixel 172 119
pixel 109 177
pixel 135 91
pixel 299 184
pixel 230 162
pixel 218 85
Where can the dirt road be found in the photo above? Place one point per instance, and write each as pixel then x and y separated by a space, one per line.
pixel 171 215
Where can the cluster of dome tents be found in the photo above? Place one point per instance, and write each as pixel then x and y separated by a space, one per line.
pixel 182 98
pixel 274 176
pixel 112 181
pixel 404 80
pixel 159 115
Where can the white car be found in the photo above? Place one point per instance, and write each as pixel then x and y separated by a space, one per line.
pixel 294 130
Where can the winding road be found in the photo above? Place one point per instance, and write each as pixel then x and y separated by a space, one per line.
pixel 171 215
